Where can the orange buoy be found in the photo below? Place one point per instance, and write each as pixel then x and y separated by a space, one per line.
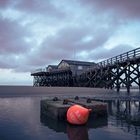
pixel 77 114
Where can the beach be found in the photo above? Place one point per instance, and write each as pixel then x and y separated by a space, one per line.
pixel 19 91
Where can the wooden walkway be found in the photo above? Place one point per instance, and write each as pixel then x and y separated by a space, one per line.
pixel 116 72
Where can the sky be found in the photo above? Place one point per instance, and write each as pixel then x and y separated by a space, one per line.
pixel 36 33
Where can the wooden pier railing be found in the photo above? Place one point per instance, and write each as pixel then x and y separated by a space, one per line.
pixel 121 58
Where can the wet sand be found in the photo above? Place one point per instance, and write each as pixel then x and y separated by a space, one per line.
pixel 19 91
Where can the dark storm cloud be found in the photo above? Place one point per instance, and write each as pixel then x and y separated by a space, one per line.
pixel 16 62
pixel 39 7
pixel 120 8
pixel 5 3
pixel 12 38
pixel 7 61
pixel 99 38
pixel 81 25
pixel 57 47
pixel 67 38
pixel 13 47
pixel 71 40
pixel 108 53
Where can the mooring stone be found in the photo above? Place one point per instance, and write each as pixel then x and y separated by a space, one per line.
pixel 58 109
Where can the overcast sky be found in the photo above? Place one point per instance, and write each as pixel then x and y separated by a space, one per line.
pixel 36 33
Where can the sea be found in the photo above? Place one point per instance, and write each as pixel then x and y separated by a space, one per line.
pixel 21 118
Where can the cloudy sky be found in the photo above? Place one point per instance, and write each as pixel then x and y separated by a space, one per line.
pixel 35 33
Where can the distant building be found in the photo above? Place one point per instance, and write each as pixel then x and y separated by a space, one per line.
pixel 51 68
pixel 77 67
pixel 63 74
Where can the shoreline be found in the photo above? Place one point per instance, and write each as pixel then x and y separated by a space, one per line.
pixel 19 91
pixel 63 92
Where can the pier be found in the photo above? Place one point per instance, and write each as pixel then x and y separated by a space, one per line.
pixel 121 71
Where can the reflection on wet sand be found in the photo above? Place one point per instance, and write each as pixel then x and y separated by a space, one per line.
pixel 77 133
pixel 128 110
pixel 127 114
